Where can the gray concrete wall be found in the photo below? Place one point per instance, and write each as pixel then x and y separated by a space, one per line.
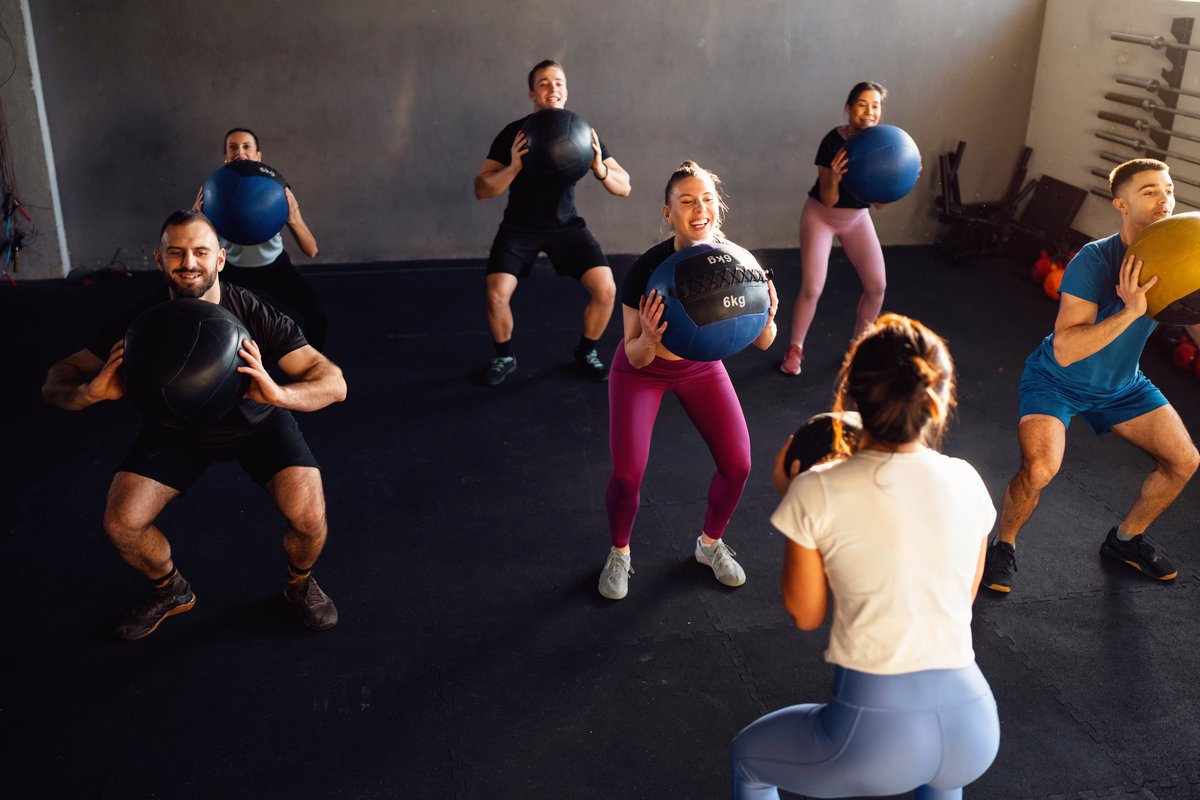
pixel 44 254
pixel 380 113
pixel 1076 66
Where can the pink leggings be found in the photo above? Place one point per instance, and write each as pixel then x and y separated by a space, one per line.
pixel 704 390
pixel 853 227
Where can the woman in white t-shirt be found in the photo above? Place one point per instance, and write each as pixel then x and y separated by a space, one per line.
pixel 897 532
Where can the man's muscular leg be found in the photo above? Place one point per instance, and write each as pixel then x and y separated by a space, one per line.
pixel 500 288
pixel 134 502
pixel 603 289
pixel 1162 435
pixel 299 495
pixel 1043 439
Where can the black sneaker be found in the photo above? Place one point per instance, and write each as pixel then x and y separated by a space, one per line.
pixel 174 598
pixel 1139 554
pixel 589 364
pixel 998 566
pixel 316 609
pixel 499 369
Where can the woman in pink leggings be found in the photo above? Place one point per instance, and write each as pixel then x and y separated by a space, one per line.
pixel 643 370
pixel 829 212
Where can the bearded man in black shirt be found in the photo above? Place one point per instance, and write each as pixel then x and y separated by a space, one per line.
pixel 260 432
pixel 541 217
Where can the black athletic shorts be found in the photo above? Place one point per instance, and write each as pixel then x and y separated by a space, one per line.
pixel 572 252
pixel 175 458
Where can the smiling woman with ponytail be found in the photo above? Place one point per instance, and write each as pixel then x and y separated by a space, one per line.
pixel 896 531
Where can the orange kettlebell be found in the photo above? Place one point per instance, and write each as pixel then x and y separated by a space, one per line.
pixel 1185 355
pixel 1053 281
pixel 1041 268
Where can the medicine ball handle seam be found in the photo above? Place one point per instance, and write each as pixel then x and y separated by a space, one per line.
pixel 734 277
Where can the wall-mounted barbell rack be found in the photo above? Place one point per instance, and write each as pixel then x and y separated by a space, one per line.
pixel 1164 112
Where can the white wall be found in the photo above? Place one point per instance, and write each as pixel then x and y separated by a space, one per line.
pixel 1077 64
pixel 36 186
pixel 380 112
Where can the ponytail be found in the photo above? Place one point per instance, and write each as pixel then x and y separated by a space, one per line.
pixel 900 377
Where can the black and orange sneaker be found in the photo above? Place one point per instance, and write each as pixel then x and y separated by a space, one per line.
pixel 174 596
pixel 998 566
pixel 1139 554
pixel 316 609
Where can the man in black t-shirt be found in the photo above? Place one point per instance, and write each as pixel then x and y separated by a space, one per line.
pixel 260 433
pixel 540 217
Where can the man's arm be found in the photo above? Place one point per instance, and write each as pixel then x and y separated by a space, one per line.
pixel 494 177
pixel 608 171
pixel 1077 335
pixel 317 381
pixel 300 231
pixel 616 179
pixel 82 379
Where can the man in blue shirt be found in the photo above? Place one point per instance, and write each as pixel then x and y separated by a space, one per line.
pixel 1089 366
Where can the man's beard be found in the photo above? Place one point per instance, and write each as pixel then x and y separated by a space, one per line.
pixel 191 290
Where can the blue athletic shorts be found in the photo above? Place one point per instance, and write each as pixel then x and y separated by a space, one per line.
pixel 1043 394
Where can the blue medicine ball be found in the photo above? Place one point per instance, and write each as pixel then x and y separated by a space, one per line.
pixel 882 165
pixel 246 202
pixel 560 145
pixel 181 362
pixel 716 299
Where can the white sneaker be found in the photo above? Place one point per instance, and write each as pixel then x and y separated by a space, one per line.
pixel 614 580
pixel 719 556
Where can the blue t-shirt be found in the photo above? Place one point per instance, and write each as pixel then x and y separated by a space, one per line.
pixel 1093 275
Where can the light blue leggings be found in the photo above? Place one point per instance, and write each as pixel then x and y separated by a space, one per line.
pixel 933 731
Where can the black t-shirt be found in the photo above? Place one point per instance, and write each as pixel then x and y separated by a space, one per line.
pixel 639 274
pixel 535 202
pixel 634 287
pixel 826 152
pixel 275 334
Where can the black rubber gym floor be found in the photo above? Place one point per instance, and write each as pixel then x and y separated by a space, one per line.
pixel 474 657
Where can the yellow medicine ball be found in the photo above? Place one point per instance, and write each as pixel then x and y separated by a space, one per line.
pixel 1170 249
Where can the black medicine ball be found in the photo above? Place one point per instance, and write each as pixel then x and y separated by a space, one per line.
pixel 181 361
pixel 814 440
pixel 560 144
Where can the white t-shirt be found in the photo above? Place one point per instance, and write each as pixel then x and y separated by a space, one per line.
pixel 253 255
pixel 900 535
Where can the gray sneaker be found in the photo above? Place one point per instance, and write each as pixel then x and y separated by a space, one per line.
pixel 614 580
pixel 499 369
pixel 720 557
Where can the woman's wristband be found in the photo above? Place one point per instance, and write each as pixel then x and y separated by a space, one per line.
pixel 607 169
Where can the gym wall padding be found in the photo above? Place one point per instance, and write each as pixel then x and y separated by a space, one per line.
pixel 380 113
